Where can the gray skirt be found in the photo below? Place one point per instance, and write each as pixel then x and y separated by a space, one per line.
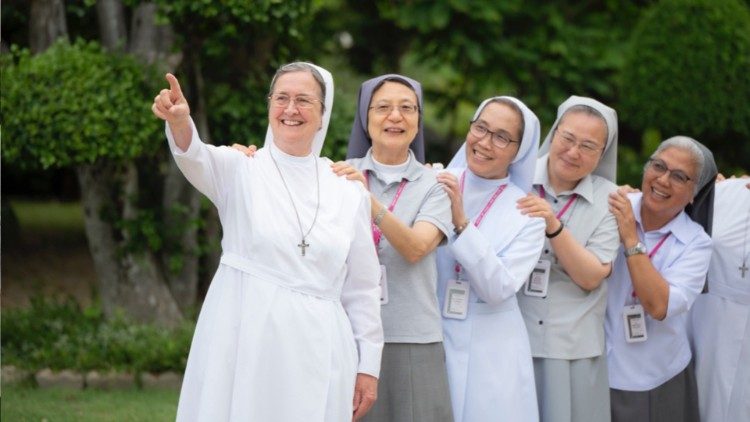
pixel 572 390
pixel 674 401
pixel 413 385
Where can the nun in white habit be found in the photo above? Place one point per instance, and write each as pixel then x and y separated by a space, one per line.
pixel 292 318
pixel 721 318
pixel 492 254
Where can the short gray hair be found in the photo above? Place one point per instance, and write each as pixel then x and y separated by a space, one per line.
pixel 301 67
pixel 688 145
pixel 591 111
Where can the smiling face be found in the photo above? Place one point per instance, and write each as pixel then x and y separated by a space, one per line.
pixel 294 128
pixel 391 133
pixel 662 196
pixel 568 165
pixel 482 157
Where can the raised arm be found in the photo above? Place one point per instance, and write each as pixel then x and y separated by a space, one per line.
pixel 171 106
pixel 412 242
pixel 582 265
pixel 495 275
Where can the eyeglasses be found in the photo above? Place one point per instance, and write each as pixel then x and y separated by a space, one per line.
pixel 498 139
pixel 386 109
pixel 301 101
pixel 568 141
pixel 659 167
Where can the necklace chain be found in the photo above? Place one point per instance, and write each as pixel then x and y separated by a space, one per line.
pixel 302 233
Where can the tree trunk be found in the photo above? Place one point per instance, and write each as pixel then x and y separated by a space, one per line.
pixel 150 42
pixel 95 181
pixel 46 24
pixel 144 292
pixel 180 201
pixel 212 228
pixel 111 18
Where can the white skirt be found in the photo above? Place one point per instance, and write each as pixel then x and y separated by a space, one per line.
pixel 262 352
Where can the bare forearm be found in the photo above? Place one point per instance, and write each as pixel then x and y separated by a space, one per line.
pixel 583 267
pixel 650 287
pixel 182 131
pixel 410 243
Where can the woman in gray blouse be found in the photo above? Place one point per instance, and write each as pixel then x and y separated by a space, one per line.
pixel 411 216
pixel 564 307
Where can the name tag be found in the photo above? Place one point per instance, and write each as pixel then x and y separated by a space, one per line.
pixel 538 281
pixel 383 286
pixel 634 320
pixel 456 299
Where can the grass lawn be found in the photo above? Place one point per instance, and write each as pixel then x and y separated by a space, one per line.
pixel 49 216
pixel 30 404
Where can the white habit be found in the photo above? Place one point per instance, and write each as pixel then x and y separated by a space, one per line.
pixel 490 370
pixel 281 336
pixel 721 318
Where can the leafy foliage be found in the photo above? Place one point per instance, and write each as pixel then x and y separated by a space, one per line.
pixel 686 72
pixel 75 104
pixel 61 335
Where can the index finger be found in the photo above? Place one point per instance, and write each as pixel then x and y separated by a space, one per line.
pixel 174 85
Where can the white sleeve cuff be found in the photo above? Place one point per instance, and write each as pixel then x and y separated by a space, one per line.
pixel 369 358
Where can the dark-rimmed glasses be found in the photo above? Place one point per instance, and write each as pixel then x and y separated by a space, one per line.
pixel 498 139
pixel 659 167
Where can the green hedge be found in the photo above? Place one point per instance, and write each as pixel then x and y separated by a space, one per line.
pixel 62 335
pixel 75 104
pixel 686 71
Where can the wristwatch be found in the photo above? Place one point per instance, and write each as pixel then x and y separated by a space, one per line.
pixel 639 248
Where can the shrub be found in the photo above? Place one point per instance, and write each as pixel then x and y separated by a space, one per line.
pixel 686 72
pixel 62 335
pixel 74 104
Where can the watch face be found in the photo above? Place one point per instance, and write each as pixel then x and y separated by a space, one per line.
pixel 639 248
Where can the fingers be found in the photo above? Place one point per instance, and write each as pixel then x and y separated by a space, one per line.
pixel 365 404
pixel 357 399
pixel 247 150
pixel 158 112
pixel 627 189
pixel 340 166
pixel 174 87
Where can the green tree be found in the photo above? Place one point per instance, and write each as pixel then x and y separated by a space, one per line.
pixel 78 106
pixel 686 72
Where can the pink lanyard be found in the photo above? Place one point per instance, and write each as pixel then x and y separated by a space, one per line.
pixel 487 207
pixel 651 255
pixel 567 205
pixel 376 233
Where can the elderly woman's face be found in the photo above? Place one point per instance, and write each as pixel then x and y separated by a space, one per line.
pixel 577 145
pixel 483 157
pixel 296 122
pixel 666 190
pixel 393 117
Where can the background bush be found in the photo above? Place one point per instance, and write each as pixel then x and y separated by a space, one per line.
pixel 62 335
pixel 687 71
pixel 73 104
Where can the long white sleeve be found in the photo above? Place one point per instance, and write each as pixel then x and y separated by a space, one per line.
pixel 360 293
pixel 497 275
pixel 207 167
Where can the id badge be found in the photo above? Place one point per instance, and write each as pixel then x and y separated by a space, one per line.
pixel 383 286
pixel 538 281
pixel 634 320
pixel 456 299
